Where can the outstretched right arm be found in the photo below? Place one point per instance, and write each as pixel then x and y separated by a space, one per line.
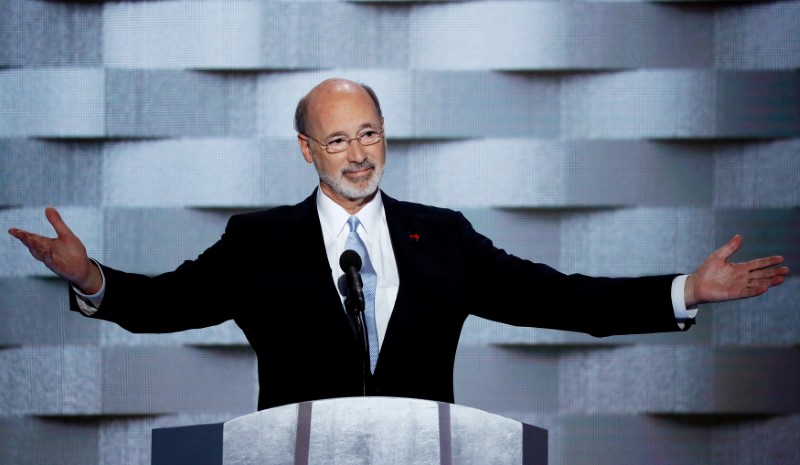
pixel 64 255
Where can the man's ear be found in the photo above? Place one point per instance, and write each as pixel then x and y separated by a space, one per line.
pixel 305 148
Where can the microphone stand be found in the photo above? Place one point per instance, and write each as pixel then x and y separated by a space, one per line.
pixel 354 304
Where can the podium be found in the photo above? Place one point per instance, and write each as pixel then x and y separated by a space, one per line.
pixel 355 430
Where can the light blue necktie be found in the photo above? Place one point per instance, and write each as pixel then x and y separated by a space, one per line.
pixel 370 280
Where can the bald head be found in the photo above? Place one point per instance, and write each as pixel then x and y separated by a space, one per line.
pixel 341 111
pixel 322 93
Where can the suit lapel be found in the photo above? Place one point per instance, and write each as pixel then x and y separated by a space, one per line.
pixel 306 235
pixel 306 232
pixel 405 236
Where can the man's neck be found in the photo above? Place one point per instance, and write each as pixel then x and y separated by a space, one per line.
pixel 351 206
pixel 333 217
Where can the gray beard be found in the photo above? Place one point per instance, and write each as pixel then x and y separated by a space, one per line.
pixel 350 189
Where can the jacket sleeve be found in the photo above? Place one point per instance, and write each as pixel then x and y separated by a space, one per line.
pixel 520 292
pixel 197 294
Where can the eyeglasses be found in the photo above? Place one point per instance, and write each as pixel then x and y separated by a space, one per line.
pixel 340 143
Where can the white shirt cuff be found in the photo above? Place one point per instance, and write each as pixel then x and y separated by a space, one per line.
pixel 679 302
pixel 88 304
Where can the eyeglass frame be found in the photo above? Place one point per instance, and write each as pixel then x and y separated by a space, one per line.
pixel 348 140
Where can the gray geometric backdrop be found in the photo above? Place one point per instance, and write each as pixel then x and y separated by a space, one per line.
pixel 609 138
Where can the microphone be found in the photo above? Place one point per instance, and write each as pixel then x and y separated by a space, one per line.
pixel 350 262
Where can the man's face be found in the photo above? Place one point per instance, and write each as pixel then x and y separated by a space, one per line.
pixel 352 175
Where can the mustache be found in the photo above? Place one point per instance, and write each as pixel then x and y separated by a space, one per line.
pixel 358 166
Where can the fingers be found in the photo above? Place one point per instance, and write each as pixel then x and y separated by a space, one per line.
pixel 58 224
pixel 766 282
pixel 55 220
pixel 25 237
pixel 762 263
pixel 18 233
pixel 730 248
pixel 763 273
pixel 37 245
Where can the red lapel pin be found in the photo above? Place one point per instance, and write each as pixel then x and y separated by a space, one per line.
pixel 414 237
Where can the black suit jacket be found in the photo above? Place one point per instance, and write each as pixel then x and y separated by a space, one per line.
pixel 269 272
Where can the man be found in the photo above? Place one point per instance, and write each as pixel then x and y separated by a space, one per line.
pixel 432 271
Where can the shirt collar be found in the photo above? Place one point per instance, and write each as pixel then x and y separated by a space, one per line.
pixel 333 218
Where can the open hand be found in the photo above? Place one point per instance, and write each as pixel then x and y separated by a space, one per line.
pixel 717 280
pixel 65 255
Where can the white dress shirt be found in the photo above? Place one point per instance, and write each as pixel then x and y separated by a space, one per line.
pixel 375 234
